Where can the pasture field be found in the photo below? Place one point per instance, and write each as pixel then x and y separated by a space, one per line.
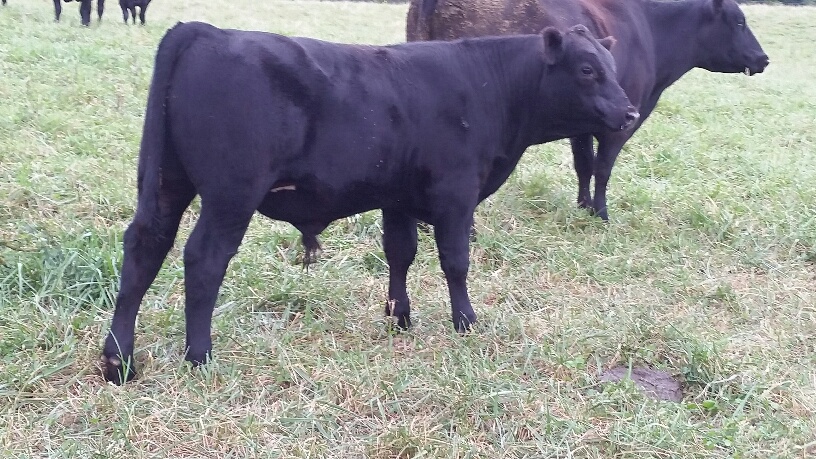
pixel 706 270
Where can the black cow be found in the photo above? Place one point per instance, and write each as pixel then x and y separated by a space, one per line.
pixel 130 5
pixel 84 10
pixel 658 42
pixel 307 132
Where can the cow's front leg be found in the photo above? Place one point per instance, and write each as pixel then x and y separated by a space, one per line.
pixel 85 12
pixel 57 9
pixel 100 8
pixel 142 11
pixel 213 242
pixel 609 146
pixel 452 234
pixel 583 157
pixel 400 246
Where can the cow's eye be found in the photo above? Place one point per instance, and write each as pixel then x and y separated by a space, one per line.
pixel 587 70
pixel 741 23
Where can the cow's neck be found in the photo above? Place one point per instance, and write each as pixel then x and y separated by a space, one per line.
pixel 506 75
pixel 513 71
pixel 673 26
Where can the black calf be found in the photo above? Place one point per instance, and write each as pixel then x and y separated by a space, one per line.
pixel 84 10
pixel 130 5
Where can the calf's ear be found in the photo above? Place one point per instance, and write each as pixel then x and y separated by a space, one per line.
pixel 553 45
pixel 608 42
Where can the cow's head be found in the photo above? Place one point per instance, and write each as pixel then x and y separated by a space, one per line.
pixel 725 43
pixel 581 84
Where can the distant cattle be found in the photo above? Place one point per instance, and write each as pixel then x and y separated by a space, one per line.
pixel 130 5
pixel 307 132
pixel 84 10
pixel 658 42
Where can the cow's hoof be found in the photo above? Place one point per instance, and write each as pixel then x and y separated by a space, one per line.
pixel 464 324
pixel 117 370
pixel 602 214
pixel 398 323
pixel 398 315
pixel 198 358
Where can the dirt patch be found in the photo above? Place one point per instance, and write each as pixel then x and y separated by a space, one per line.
pixel 653 383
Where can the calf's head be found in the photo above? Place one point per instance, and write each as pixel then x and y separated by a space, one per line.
pixel 580 85
pixel 724 41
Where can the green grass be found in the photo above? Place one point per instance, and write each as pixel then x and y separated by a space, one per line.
pixel 706 270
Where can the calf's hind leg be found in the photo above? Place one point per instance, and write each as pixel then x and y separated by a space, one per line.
pixel 452 234
pixel 147 241
pixel 400 246
pixel 213 242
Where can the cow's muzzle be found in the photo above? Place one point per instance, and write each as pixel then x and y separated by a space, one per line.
pixel 759 65
pixel 632 115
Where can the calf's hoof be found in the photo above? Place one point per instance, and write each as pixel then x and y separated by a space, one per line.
pixel 397 320
pixel 464 323
pixel 198 358
pixel 117 370
pixel 399 323
pixel 602 214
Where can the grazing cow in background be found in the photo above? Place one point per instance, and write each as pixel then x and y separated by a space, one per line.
pixel 84 10
pixel 658 42
pixel 306 131
pixel 130 5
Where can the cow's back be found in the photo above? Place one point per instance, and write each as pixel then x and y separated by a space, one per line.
pixel 452 19
pixel 623 19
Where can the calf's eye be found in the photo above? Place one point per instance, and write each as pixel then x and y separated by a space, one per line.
pixel 587 70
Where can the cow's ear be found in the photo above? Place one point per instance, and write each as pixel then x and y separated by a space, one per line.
pixel 553 45
pixel 608 42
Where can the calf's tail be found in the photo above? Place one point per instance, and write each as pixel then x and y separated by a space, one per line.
pixel 419 20
pixel 155 146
